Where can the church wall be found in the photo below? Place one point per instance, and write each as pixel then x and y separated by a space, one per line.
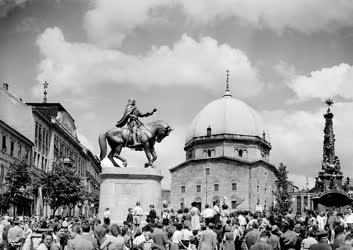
pixel 223 173
pixel 262 180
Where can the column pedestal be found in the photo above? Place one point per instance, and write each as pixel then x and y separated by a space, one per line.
pixel 121 188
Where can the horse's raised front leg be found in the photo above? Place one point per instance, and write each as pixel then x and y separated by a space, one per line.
pixel 148 155
pixel 117 154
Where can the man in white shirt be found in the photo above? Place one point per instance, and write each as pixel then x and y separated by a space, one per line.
pixel 207 214
pixel 106 216
pixel 137 214
pixel 321 220
pixel 349 218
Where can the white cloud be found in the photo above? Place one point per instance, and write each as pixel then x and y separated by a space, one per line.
pixel 327 82
pixel 76 66
pixel 301 181
pixel 297 138
pixel 301 15
pixel 108 22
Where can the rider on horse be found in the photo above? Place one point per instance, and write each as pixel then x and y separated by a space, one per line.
pixel 130 118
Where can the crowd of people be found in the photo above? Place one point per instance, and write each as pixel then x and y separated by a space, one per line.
pixel 214 228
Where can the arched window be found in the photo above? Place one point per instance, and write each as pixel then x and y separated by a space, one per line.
pixel 209 153
pixel 182 203
pixel 240 152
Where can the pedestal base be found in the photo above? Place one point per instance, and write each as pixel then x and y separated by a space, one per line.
pixel 121 188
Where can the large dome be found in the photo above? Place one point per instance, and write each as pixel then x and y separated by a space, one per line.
pixel 226 115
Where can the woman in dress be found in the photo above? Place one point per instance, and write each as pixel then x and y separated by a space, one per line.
pixel 27 234
pixel 195 217
pixel 47 239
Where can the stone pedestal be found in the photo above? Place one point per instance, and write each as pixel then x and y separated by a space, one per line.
pixel 121 187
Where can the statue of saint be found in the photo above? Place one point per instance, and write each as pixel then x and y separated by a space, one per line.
pixel 130 118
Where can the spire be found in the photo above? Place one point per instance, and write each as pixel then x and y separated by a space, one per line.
pixel 45 87
pixel 329 137
pixel 227 91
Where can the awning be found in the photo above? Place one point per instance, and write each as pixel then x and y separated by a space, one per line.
pixel 334 198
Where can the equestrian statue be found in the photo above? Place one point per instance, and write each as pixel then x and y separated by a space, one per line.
pixel 134 135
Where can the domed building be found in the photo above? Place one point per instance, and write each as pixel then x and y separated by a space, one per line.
pixel 227 159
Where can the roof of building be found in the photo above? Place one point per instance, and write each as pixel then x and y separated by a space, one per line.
pixel 16 114
pixel 220 158
pixel 226 115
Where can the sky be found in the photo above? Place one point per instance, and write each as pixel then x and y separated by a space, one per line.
pixel 285 57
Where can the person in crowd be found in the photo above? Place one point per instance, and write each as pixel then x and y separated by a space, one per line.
pixel 252 235
pixel 114 240
pixel 27 234
pixel 159 236
pixel 47 240
pixel 86 234
pixel 207 214
pixel 152 214
pixel 177 238
pixel 216 213
pixel 348 244
pixel 323 242
pixel 129 217
pixel 261 243
pixel 195 217
pixel 106 216
pixel 208 238
pixel 15 236
pixel 77 242
pixel 309 240
pixel 288 239
pixel 228 238
pixel 340 236
pixel 274 238
pixel 349 218
pixel 137 213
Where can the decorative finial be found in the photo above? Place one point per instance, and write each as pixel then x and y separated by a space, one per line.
pixel 227 92
pixel 45 87
pixel 329 102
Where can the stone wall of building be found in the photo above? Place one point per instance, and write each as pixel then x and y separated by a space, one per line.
pixel 240 185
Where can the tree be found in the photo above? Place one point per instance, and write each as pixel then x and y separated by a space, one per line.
pixel 283 198
pixel 62 187
pixel 18 183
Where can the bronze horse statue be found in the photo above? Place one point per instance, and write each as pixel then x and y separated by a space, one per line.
pixel 121 137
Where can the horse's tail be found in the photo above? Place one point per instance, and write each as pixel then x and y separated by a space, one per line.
pixel 102 145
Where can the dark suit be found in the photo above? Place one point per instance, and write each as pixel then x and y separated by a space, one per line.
pixel 160 238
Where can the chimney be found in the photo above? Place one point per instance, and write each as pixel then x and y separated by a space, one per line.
pixel 5 86
pixel 209 131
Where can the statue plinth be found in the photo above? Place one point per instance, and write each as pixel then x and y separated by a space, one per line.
pixel 121 188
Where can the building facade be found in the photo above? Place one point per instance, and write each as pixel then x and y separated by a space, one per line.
pixel 227 159
pixel 16 142
pixel 44 134
pixel 56 141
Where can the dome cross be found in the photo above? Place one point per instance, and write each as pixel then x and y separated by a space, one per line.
pixel 227 91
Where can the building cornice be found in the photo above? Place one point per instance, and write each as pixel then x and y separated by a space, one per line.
pixel 248 139
pixel 251 164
